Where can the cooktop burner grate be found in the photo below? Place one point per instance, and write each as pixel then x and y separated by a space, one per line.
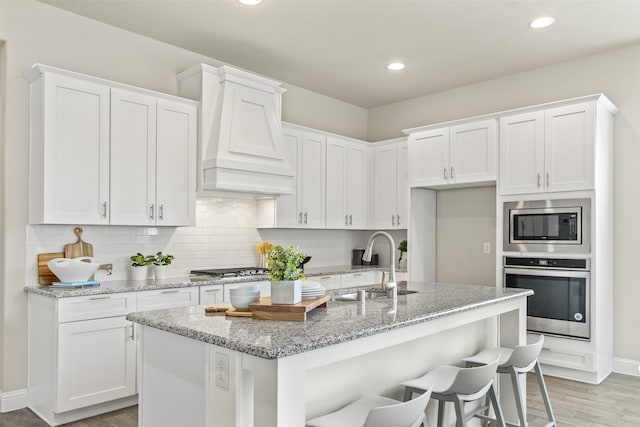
pixel 231 272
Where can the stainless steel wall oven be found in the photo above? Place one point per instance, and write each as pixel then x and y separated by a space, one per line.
pixel 555 226
pixel 560 304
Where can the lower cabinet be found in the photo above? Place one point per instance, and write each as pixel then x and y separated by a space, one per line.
pixel 96 362
pixel 211 294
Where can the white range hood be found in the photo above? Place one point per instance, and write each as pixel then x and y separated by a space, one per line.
pixel 241 147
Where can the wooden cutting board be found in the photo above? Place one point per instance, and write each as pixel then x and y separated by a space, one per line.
pixel 264 310
pixel 45 276
pixel 79 248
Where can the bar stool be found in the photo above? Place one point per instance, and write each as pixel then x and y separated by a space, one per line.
pixel 459 385
pixel 518 360
pixel 377 411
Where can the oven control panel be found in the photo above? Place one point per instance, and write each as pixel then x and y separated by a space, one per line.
pixel 564 263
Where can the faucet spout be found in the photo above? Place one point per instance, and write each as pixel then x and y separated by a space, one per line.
pixel 392 255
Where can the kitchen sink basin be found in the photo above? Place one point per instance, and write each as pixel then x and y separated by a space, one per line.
pixel 370 293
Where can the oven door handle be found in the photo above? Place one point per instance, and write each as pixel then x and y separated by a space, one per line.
pixel 548 272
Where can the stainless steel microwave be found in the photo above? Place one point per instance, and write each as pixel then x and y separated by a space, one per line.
pixel 548 226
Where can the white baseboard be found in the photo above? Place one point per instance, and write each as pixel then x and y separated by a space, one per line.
pixel 13 400
pixel 626 366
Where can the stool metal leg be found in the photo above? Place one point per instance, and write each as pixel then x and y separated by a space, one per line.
pixel 496 407
pixel 441 412
pixel 545 395
pixel 517 394
pixel 461 419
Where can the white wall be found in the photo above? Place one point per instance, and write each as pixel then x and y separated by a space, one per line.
pixel 616 74
pixel 36 32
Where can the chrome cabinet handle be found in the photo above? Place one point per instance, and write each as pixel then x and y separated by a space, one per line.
pixel 161 212
pixel 96 298
pixel 172 291
pixel 357 274
pixel 398 219
pixel 133 333
pixel 305 217
pixel 548 176
pixel 151 213
pixel 104 210
pixel 300 218
pixel 393 220
pixel 350 219
pixel 444 173
pixel 538 179
pixel 452 173
pixel 210 291
pixel 325 278
pixel 345 220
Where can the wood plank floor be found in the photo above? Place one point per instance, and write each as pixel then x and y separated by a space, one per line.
pixel 614 403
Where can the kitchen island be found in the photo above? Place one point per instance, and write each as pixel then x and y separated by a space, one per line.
pixel 215 370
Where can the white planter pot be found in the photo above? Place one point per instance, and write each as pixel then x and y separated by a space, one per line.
pixel 139 273
pixel 286 291
pixel 160 271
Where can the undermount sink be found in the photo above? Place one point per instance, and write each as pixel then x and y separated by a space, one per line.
pixel 370 293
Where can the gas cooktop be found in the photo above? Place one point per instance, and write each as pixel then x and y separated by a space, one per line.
pixel 230 272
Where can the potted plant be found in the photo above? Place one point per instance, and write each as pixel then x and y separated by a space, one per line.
pixel 285 273
pixel 139 265
pixel 160 263
pixel 402 247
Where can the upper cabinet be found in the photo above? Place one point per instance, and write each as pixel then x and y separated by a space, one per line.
pixel 305 208
pixel 390 186
pixel 552 149
pixel 105 153
pixel 241 144
pixel 452 156
pixel 347 189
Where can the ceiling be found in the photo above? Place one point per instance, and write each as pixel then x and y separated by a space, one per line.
pixel 340 48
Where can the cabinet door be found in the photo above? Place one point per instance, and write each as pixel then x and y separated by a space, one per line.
pixel 357 188
pixel 176 164
pixel 472 152
pixel 287 212
pixel 385 187
pixel 429 158
pixel 337 202
pixel 72 152
pixel 403 191
pixel 522 153
pixel 133 158
pixel 165 298
pixel 569 147
pixel 312 174
pixel 96 362
pixel 211 294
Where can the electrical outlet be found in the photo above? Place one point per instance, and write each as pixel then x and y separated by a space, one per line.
pixel 486 247
pixel 222 370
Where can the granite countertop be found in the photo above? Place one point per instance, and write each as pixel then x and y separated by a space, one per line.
pixel 340 321
pixel 117 286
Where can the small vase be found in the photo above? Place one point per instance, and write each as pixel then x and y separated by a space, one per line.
pixel 286 291
pixel 160 271
pixel 139 272
pixel 402 262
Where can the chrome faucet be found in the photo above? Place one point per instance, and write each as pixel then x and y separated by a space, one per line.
pixel 391 284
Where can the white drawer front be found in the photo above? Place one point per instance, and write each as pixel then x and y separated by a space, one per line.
pixel 165 298
pixel 211 294
pixel 360 279
pixel 96 306
pixel 328 282
pixel 566 359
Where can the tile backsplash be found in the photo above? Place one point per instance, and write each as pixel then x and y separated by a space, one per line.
pixel 225 235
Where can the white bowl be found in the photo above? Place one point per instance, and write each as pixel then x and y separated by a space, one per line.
pixel 244 290
pixel 73 269
pixel 242 302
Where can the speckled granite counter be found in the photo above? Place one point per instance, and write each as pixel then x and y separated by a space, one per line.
pixel 116 286
pixel 341 321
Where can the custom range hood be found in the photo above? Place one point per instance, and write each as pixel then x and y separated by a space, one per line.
pixel 241 147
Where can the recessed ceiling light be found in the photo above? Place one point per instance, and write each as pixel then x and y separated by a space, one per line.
pixel 395 66
pixel 250 2
pixel 542 22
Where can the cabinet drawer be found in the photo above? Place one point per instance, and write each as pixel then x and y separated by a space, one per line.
pixel 96 306
pixel 328 282
pixel 568 359
pixel 211 294
pixel 360 279
pixel 165 298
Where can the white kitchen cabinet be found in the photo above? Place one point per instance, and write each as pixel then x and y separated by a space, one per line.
pixel 364 278
pixel 347 187
pixel 548 150
pixel 106 153
pixel 329 282
pixel 390 186
pixel 211 294
pixel 305 208
pixel 453 156
pixel 69 151
pixel 165 298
